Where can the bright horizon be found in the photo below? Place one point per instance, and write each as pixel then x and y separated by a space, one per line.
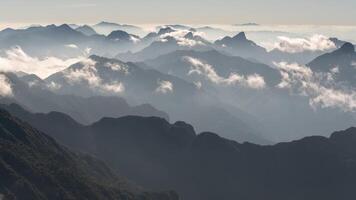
pixel 275 12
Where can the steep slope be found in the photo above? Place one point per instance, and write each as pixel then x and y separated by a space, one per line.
pixel 34 166
pixel 342 60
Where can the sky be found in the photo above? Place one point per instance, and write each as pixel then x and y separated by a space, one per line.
pixel 287 12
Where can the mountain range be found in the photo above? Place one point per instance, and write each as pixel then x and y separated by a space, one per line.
pixel 35 166
pixel 156 154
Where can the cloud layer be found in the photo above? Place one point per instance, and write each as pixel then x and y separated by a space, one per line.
pixel 253 81
pixel 16 60
pixel 298 45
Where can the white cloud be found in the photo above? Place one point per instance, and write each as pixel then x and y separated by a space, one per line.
pixel 117 67
pixel 17 60
pixel 5 86
pixel 178 35
pixel 353 63
pixel 164 87
pixel 253 81
pixel 72 46
pixel 297 45
pixel 54 86
pixel 88 75
pixel 115 87
pixel 320 88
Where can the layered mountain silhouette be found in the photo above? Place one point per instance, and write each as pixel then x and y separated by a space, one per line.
pixel 86 110
pixel 108 27
pixel 86 30
pixel 34 166
pixel 156 154
pixel 163 42
pixel 239 45
pixel 224 65
pixel 181 99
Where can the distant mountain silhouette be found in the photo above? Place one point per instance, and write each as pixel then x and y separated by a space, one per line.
pixel 34 166
pixel 181 102
pixel 160 155
pixel 344 59
pixel 239 45
pixel 86 30
pixel 122 36
pixel 160 43
pixel 108 27
pixel 224 65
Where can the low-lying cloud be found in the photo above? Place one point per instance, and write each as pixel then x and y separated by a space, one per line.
pixel 16 60
pixel 179 36
pixel 164 87
pixel 5 86
pixel 88 75
pixel 253 81
pixel 298 45
pixel 320 88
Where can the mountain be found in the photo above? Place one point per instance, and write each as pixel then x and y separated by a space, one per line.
pixel 157 154
pixel 35 39
pixel 108 27
pixel 181 99
pixel 239 45
pixel 110 77
pixel 123 36
pixel 62 42
pixel 34 166
pixel 86 30
pixel 166 40
pixel 224 65
pixel 37 97
pixel 343 60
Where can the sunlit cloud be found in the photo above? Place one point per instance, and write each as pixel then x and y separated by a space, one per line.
pixel 298 45
pixel 88 75
pixel 253 81
pixel 16 60
pixel 5 86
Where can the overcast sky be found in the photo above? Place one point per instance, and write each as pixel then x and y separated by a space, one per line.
pixel 318 12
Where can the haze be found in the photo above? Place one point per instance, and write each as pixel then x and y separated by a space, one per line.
pixel 184 11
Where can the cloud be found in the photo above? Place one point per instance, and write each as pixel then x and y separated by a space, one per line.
pixel 88 75
pixel 117 67
pixel 320 88
pixel 164 87
pixel 253 81
pixel 72 46
pixel 54 86
pixel 5 86
pixel 298 45
pixel 16 60
pixel 179 36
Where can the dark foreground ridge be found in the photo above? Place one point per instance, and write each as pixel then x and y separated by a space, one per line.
pixel 162 156
pixel 35 167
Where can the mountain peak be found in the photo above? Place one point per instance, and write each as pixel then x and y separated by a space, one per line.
pixel 347 48
pixel 165 30
pixel 240 36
